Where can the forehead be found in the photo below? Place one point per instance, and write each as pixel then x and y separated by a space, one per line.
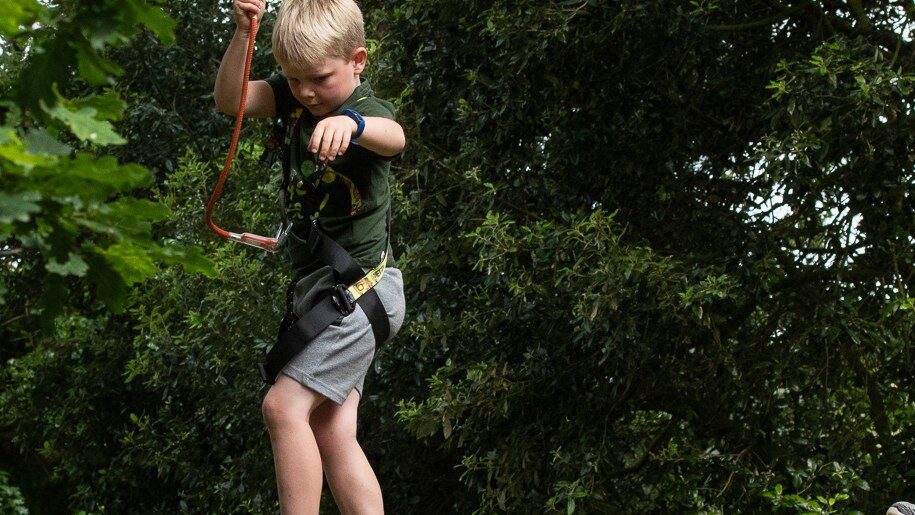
pixel 327 66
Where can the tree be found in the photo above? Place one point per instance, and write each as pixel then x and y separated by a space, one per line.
pixel 74 230
pixel 65 213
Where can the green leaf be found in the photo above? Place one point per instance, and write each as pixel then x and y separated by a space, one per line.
pixel 96 226
pixel 154 18
pixel 109 286
pixel 84 124
pixel 18 206
pixel 191 258
pixel 15 151
pixel 139 209
pixel 90 178
pixel 39 141
pixel 75 265
pixel 53 296
pixel 109 105
pixel 134 216
pixel 19 13
pixel 131 262
pixel 93 67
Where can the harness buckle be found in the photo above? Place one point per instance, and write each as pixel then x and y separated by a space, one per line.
pixel 343 300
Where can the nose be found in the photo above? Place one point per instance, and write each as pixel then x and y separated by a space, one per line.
pixel 305 91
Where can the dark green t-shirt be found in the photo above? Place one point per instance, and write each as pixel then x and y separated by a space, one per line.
pixel 353 194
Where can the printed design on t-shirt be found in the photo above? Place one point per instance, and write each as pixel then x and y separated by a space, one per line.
pixel 332 177
pixel 314 193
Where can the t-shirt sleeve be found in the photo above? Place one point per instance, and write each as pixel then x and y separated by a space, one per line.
pixel 285 102
pixel 371 106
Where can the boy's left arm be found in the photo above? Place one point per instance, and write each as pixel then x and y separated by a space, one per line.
pixel 382 136
pixel 332 136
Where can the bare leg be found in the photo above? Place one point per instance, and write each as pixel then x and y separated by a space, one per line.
pixel 349 474
pixel 287 408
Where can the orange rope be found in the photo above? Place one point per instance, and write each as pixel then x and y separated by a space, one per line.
pixel 235 133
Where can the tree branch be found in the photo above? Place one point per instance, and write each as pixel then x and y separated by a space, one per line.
pixel 876 406
pixel 861 16
pixel 887 39
pixel 909 9
pixel 842 250
pixel 635 467
pixel 779 16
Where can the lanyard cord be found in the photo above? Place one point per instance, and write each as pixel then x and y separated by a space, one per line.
pixel 217 191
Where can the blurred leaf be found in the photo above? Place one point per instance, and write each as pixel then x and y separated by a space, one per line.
pixel 154 18
pixel 84 124
pixel 108 105
pixel 14 150
pixel 75 265
pixel 40 142
pixel 18 206
pixel 19 13
pixel 131 262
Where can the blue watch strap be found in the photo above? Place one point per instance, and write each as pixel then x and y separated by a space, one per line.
pixel 360 121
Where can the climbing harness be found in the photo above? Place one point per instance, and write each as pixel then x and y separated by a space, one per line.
pixel 353 286
pixel 339 302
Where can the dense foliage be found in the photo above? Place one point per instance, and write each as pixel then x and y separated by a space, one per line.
pixel 658 256
pixel 687 274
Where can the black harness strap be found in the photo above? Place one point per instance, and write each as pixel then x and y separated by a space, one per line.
pixel 331 253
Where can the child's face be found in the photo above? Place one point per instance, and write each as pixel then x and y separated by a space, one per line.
pixel 324 86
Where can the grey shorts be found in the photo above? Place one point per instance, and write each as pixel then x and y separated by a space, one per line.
pixel 339 358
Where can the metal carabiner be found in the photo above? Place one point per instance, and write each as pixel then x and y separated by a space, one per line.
pixel 262 242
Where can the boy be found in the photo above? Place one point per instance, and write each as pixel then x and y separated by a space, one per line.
pixel 338 142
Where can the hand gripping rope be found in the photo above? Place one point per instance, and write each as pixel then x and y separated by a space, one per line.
pixel 261 242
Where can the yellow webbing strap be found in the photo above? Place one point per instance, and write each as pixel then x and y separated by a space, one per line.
pixel 369 280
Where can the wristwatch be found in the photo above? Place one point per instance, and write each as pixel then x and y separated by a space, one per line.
pixel 360 121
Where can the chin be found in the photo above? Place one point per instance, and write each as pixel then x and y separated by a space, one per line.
pixel 319 110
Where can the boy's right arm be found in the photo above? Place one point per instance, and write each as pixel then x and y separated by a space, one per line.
pixel 227 92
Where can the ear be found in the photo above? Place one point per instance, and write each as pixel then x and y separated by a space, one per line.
pixel 359 57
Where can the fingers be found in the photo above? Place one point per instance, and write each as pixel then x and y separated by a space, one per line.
pixel 316 137
pixel 332 141
pixel 244 9
pixel 330 138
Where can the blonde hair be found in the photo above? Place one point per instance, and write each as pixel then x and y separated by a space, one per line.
pixel 309 31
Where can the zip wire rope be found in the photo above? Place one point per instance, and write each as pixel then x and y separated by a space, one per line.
pixel 261 242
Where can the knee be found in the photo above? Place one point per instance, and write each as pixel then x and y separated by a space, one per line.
pixel 334 434
pixel 279 413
